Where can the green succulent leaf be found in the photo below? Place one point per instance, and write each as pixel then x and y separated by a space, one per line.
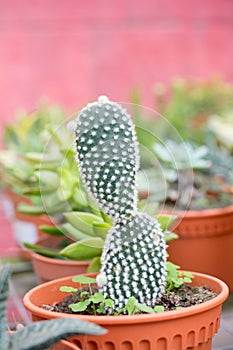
pixel 83 250
pixel 47 177
pixel 39 210
pixel 170 236
pixel 79 198
pixel 68 181
pixel 83 221
pixel 101 229
pixel 35 336
pixel 37 191
pixel 42 158
pixel 94 265
pixel 72 232
pixel 51 230
pixel 166 221
pixel 50 253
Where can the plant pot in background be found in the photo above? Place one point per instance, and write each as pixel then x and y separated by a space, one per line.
pixel 24 226
pixel 190 328
pixel 48 269
pixel 205 242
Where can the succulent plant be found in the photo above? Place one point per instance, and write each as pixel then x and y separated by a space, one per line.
pixel 133 261
pixel 197 177
pixel 188 104
pixel 38 335
pixel 88 232
pixel 37 162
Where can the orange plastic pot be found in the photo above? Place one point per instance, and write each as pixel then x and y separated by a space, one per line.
pixel 25 227
pixel 48 269
pixel 205 242
pixel 190 328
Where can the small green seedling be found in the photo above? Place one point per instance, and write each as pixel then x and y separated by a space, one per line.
pixel 89 301
pixel 95 303
pixel 176 278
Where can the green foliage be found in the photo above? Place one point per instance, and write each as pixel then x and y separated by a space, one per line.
pixel 188 104
pixel 222 127
pixel 175 278
pixel 38 162
pixel 50 253
pixel 181 156
pixel 197 177
pixel 159 308
pixel 94 303
pixel 35 336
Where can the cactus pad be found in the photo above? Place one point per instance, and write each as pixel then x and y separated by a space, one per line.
pixel 133 261
pixel 108 156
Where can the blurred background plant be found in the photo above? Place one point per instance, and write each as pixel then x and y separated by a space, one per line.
pixel 186 149
pixel 197 177
pixel 37 162
pixel 222 127
pixel 189 103
pixel 39 176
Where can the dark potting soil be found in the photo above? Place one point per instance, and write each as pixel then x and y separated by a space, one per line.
pixel 181 297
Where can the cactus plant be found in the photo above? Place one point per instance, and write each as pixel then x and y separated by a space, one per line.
pixel 38 335
pixel 133 261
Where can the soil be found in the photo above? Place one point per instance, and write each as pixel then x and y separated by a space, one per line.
pixel 181 297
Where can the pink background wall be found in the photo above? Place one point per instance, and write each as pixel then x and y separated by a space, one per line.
pixel 72 51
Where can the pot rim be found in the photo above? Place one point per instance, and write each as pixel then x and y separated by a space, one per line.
pixel 131 319
pixel 53 261
pixel 203 212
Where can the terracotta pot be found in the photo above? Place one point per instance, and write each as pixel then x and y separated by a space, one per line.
pixel 48 269
pixel 16 198
pixel 205 242
pixel 190 328
pixel 25 227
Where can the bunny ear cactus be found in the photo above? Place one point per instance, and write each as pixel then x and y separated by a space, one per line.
pixel 108 156
pixel 134 254
pixel 38 335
